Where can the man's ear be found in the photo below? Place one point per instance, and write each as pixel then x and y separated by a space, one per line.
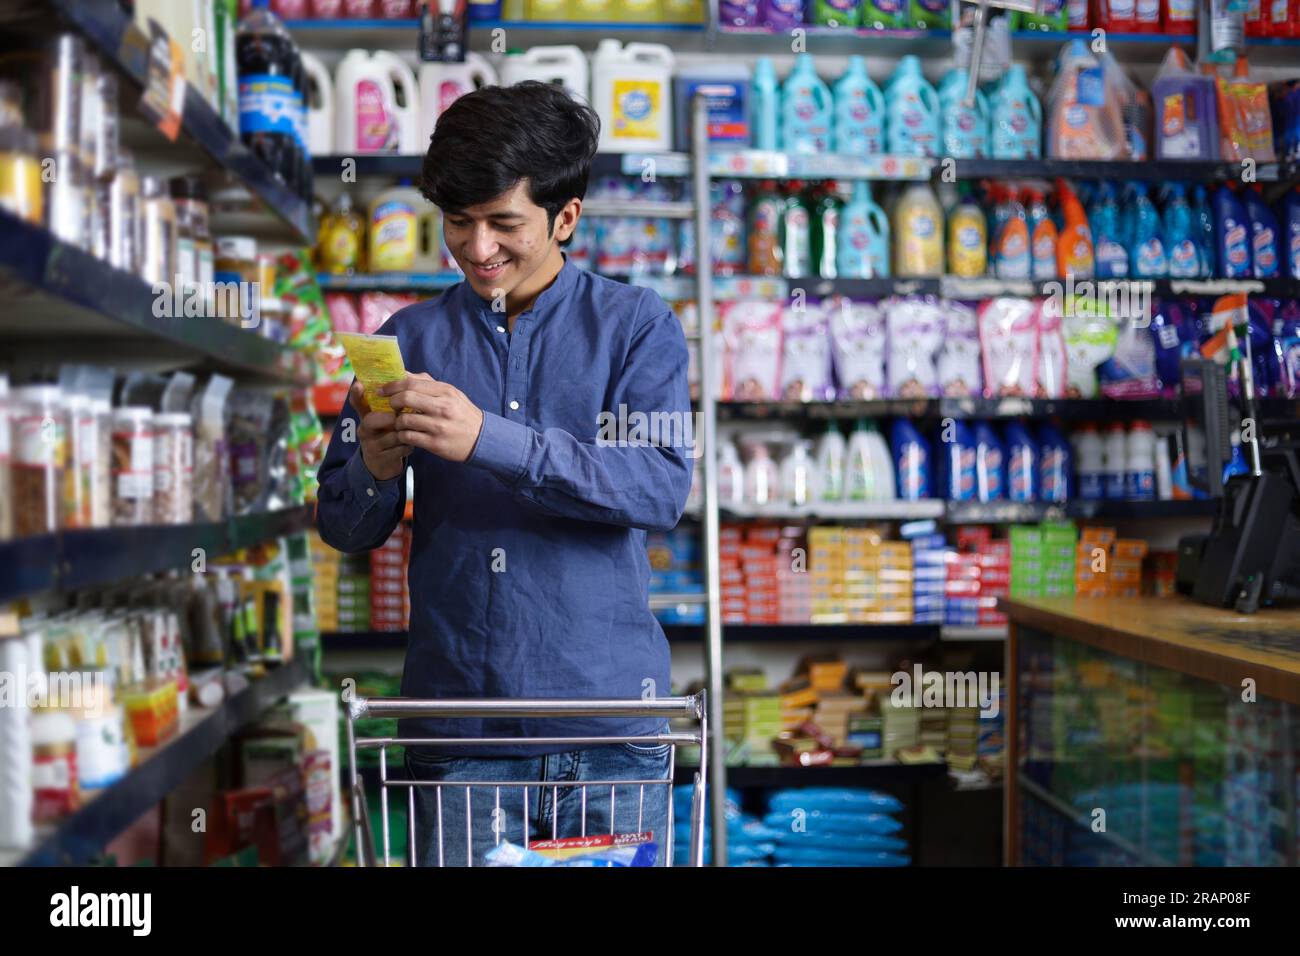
pixel 566 220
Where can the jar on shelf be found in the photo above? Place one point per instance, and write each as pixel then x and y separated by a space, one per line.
pixel 194 249
pixel 39 449
pixel 89 476
pixel 173 468
pixel 158 232
pixel 6 473
pixel 236 273
pixel 123 217
pixel 54 763
pixel 132 466
pixel 21 190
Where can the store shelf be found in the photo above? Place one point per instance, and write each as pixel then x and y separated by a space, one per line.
pixel 953 633
pixel 389 281
pixel 861 775
pixel 893 510
pixel 1008 512
pixel 115 38
pixel 1084 820
pixel 61 302
pixel 79 838
pixel 71 560
pixel 805 633
pixel 363 640
pixel 1150 170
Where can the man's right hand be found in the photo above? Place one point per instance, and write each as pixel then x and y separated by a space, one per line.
pixel 381 450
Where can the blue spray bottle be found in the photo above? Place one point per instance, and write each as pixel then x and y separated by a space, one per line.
pixel 766 106
pixel 1203 222
pixel 1148 241
pixel 1108 240
pixel 1231 234
pixel 1291 233
pixel 1022 464
pixel 1180 235
pixel 990 466
pixel 1264 232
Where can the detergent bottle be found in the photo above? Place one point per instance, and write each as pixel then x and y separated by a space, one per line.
pixel 1264 256
pixel 1232 235
pixel 830 464
pixel 929 15
pixel 1186 122
pixel 632 92
pixel 1291 233
pixel 826 218
pixel 911 112
pixel 1043 237
pixel 403 237
pixel 1148 244
pixel 911 461
pixel 883 14
pixel 1011 255
pixel 918 228
pixel 320 106
pixel 1053 465
pixel 859 128
pixel 1022 463
pixel 862 250
pixel 1180 236
pixel 957 462
pixel 564 65
pixel 444 82
pixel 1112 254
pixel 968 239
pixel 834 13
pixel 964 128
pixel 990 466
pixel 1074 247
pixel 1203 227
pixel 764 235
pixel 765 108
pixel 1016 121
pixel 796 235
pixel 805 109
pixel 781 16
pixel 375 105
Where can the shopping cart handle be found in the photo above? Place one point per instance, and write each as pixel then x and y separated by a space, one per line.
pixel 690 707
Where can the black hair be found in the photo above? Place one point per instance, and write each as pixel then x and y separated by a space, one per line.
pixel 497 136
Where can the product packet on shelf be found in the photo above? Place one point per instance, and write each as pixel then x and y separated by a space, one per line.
pixel 1009 343
pixel 378 307
pixel 915 327
pixel 1089 341
pixel 752 332
pixel 960 375
pixel 1131 371
pixel 1245 121
pixel 858 341
pixel 212 491
pixel 806 354
pixel 376 360
pixel 1286 344
pixel 1051 351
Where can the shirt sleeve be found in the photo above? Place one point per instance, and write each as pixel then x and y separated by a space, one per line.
pixel 637 472
pixel 354 511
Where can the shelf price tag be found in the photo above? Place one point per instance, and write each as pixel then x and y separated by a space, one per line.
pixel 164 88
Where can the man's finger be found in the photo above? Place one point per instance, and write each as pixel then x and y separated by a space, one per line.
pixel 421 403
pixel 385 440
pixel 357 396
pixel 425 424
pixel 378 421
pixel 423 384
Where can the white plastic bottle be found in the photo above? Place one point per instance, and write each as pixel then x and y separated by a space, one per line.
pixel 731 476
pixel 882 464
pixel 631 91
pixel 367 115
pixel 442 83
pixel 762 478
pixel 1091 464
pixel 565 65
pixel 830 465
pixel 320 106
pixel 1140 475
pixel 1164 468
pixel 859 466
pixel 1115 462
pixel 799 475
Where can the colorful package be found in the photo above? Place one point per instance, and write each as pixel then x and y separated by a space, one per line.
pixel 915 326
pixel 958 363
pixel 1089 341
pixel 378 307
pixel 1172 328
pixel 1245 121
pixel 342 307
pixel 858 346
pixel 1051 351
pixel 752 335
pixel 1131 371
pixel 1286 346
pixel 806 354
pixel 1009 342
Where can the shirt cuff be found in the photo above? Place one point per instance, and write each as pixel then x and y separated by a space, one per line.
pixel 502 448
pixel 366 489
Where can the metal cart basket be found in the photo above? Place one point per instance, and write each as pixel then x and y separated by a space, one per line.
pixel 690 709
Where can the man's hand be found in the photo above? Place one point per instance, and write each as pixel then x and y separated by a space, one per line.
pixel 435 416
pixel 381 449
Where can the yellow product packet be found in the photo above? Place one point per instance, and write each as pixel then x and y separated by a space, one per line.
pixel 376 360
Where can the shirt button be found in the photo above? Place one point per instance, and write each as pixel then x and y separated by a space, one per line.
pixel 501 328
pixel 514 406
pixel 370 492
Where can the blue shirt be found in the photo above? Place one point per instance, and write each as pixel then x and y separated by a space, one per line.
pixel 528 572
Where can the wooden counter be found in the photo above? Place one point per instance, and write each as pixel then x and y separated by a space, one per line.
pixel 1175 633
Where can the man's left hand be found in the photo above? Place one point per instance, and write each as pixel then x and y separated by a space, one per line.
pixel 435 416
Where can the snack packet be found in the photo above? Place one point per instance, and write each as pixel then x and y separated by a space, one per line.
pixel 752 333
pixel 1009 341
pixel 376 360
pixel 805 354
pixel 960 375
pixel 858 346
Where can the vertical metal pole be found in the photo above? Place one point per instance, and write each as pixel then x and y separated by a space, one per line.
pixel 708 413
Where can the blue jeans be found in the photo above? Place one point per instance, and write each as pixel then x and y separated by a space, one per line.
pixel 556 810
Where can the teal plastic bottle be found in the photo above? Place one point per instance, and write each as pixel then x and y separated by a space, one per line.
pixel 859 128
pixel 1016 120
pixel 1107 236
pixel 1203 220
pixel 862 251
pixel 965 129
pixel 805 109
pixel 911 111
pixel 1180 235
pixel 1148 237
pixel 766 105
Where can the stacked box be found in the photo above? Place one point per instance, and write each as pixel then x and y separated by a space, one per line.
pixel 995 577
pixel 1027 560
pixel 834 711
pixel 731 579
pixel 961 589
pixel 1161 572
pixel 675 568
pixel 865 732
pixel 758 564
pixel 826 558
pixel 752 718
pixel 929 556
pixel 1087 581
pixel 1126 567
pixel 342 589
pixel 933 728
pixel 1058 544
pixel 389 598
pixel 877 578
pixel 961 743
pixel 325 581
pixel 793 580
pixel 900 726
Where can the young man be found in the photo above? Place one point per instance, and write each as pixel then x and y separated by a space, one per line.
pixel 528 573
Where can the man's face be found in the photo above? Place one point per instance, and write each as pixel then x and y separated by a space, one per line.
pixel 500 243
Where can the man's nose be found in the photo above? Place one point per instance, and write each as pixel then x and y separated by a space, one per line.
pixel 482 244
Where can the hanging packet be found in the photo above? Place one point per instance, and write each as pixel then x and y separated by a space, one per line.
pixel 1089 341
pixel 1051 351
pixel 915 327
pixel 858 343
pixel 1245 121
pixel 752 335
pixel 805 354
pixel 959 370
pixel 1009 342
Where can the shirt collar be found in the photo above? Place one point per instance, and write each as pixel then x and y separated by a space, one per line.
pixel 549 298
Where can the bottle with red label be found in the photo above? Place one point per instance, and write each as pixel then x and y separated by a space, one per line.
pixel 1280 17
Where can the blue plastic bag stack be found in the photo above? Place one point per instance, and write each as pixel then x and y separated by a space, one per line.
pixel 749 842
pixel 835 826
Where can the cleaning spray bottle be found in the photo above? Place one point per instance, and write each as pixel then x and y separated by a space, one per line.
pixel 1074 250
pixel 1151 261
pixel 1180 235
pixel 1112 254
pixel 1204 230
pixel 1011 257
pixel 1264 233
pixel 1043 239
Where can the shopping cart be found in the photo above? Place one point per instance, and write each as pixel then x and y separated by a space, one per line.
pixel 684 708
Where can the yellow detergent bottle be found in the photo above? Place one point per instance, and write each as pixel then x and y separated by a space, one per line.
pixel 918 233
pixel 403 231
pixel 967 239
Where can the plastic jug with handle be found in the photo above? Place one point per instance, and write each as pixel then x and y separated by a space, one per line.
pixel 376 104
pixel 320 106
pixel 442 83
pixel 964 128
pixel 805 109
pixel 631 91
pixel 564 66
pixel 862 250
pixel 911 112
pixel 859 128
pixel 1017 118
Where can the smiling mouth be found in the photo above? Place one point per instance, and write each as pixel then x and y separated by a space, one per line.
pixel 489 268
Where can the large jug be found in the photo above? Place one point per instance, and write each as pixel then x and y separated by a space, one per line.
pixel 376 105
pixel 320 106
pixel 564 66
pixel 631 91
pixel 441 84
